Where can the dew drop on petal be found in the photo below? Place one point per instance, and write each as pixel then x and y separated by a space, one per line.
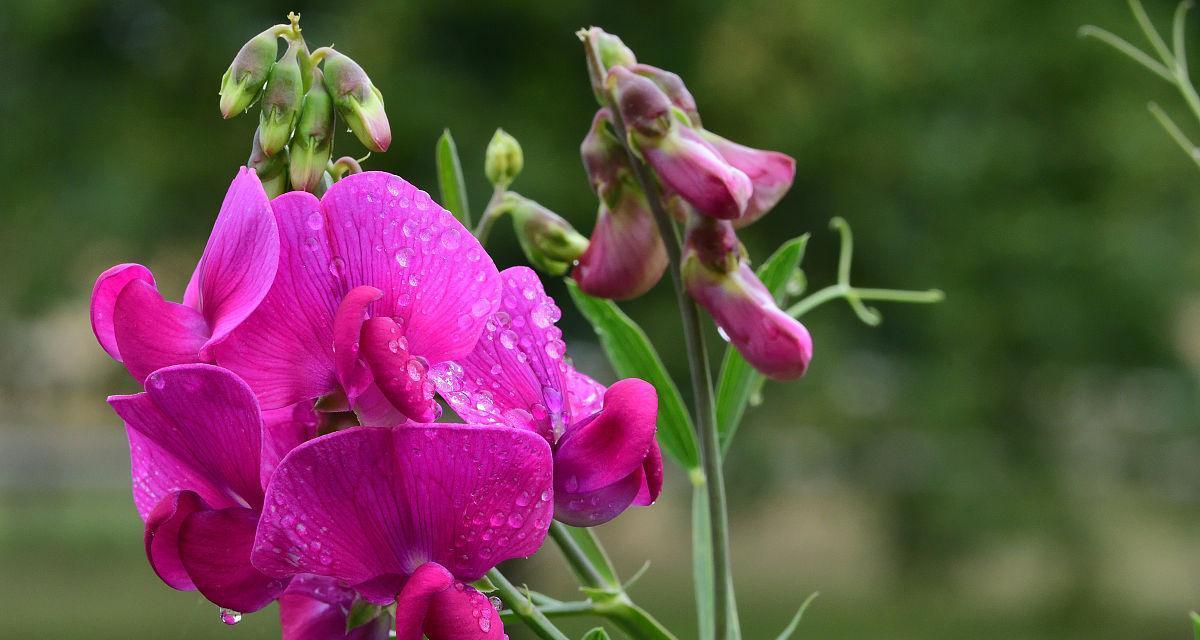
pixel 229 616
pixel 315 221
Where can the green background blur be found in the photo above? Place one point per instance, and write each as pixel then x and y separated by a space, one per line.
pixel 1019 462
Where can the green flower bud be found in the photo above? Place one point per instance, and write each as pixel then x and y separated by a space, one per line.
pixel 281 102
pixel 613 51
pixel 550 243
pixel 271 170
pixel 503 159
pixel 358 102
pixel 243 81
pixel 312 143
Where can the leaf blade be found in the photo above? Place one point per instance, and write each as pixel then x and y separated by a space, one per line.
pixel 450 179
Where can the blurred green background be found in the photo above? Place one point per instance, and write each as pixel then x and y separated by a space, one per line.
pixel 1019 462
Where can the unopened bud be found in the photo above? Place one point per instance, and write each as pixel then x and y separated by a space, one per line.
pixel 503 159
pixel 644 107
pixel 281 102
pixel 613 52
pixel 312 144
pixel 271 170
pixel 672 85
pixel 358 101
pixel 243 81
pixel 603 156
pixel 550 243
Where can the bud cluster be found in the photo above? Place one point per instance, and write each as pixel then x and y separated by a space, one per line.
pixel 301 94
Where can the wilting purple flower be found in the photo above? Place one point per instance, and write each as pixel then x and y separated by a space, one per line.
pixel 683 161
pixel 376 283
pixel 409 514
pixel 605 454
pixel 717 276
pixel 137 327
pixel 200 454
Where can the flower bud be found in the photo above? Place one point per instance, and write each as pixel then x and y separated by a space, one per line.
pixel 672 85
pixel 358 101
pixel 771 174
pixel 503 160
pixel 691 167
pixel 243 81
pixel 550 243
pixel 626 256
pixel 281 102
pixel 312 144
pixel 603 156
pixel 613 52
pixel 645 108
pixel 717 276
pixel 271 170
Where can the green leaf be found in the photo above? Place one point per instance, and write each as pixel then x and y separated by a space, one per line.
pixel 361 612
pixel 450 179
pixel 791 628
pixel 632 355
pixel 1196 621
pixel 596 634
pixel 702 567
pixel 738 380
pixel 484 585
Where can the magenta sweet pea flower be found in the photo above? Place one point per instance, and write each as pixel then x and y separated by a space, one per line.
pixel 409 514
pixel 605 455
pixel 376 283
pixel 200 452
pixel 137 327
pixel 317 608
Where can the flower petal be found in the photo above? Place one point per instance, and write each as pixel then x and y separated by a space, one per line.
pixel 626 256
pixel 690 166
pixel 592 508
pixel 414 601
pixel 436 606
pixel 585 396
pixel 347 329
pixel 285 429
pixel 368 506
pixel 373 409
pixel 284 350
pixel 515 375
pixel 195 427
pixel 771 173
pixel 315 608
pixel 104 301
pixel 162 537
pixel 241 258
pixel 401 377
pixel 611 445
pixel 215 548
pixel 652 478
pixel 437 280
pixel 152 333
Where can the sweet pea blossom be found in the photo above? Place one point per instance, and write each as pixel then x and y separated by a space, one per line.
pixel 410 514
pixel 137 327
pixel 317 608
pixel 605 455
pixel 375 284
pixel 200 454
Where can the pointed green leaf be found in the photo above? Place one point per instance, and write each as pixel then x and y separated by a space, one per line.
pixel 738 380
pixel 1196 621
pixel 361 612
pixel 791 628
pixel 484 585
pixel 450 179
pixel 632 355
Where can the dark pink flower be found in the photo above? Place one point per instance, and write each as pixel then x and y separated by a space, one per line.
pixel 717 277
pixel 606 457
pixel 376 283
pixel 136 326
pixel 771 173
pixel 409 514
pixel 200 453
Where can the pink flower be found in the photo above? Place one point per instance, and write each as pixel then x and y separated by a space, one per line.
pixel 376 283
pixel 771 174
pixel 605 454
pixel 409 514
pixel 137 327
pixel 200 455
pixel 717 277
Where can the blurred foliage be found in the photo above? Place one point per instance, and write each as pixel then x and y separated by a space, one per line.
pixel 1017 462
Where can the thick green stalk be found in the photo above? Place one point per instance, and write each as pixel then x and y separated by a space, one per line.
pixel 524 609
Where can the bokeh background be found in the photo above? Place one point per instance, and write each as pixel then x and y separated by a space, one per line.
pixel 1019 462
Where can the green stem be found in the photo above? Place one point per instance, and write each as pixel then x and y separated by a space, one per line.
pixel 581 565
pixel 836 291
pixel 491 213
pixel 523 608
pixel 559 610
pixel 724 623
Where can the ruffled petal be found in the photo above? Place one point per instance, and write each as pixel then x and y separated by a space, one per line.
pixel 315 608
pixel 196 427
pixel 437 280
pixel 215 548
pixel 626 256
pixel 597 452
pixel 152 333
pixel 515 375
pixel 368 506
pixel 284 350
pixel 104 301
pixel 162 537
pixel 400 376
pixel 241 258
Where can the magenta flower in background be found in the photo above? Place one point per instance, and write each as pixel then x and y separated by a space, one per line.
pixel 605 455
pixel 199 453
pixel 410 514
pixel 137 327
pixel 376 283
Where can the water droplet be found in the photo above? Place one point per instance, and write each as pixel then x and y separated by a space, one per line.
pixel 403 256
pixel 515 520
pixel 315 221
pixel 158 382
pixel 393 190
pixel 508 339
pixel 572 484
pixel 497 604
pixel 483 400
pixel 229 616
pixel 337 266
pixel 555 349
pixel 449 239
pixel 545 314
pixel 480 308
pixel 721 332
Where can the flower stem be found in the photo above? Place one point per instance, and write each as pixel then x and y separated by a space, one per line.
pixel 724 610
pixel 523 608
pixel 582 566
pixel 490 214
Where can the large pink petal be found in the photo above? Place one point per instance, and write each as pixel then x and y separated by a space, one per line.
pixel 597 452
pixel 151 333
pixel 515 375
pixel 215 548
pixel 438 282
pixel 284 350
pixel 400 376
pixel 240 260
pixel 436 606
pixel 368 506
pixel 197 425
pixel 162 537
pixel 285 429
pixel 104 301
pixel 315 608
pixel 626 256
